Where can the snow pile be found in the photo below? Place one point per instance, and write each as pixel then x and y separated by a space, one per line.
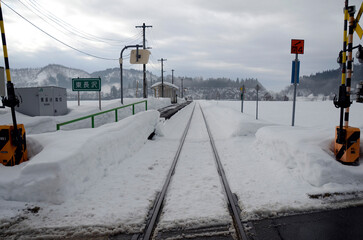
pixel 42 124
pixel 105 179
pixel 65 163
pixel 275 168
pixel 305 152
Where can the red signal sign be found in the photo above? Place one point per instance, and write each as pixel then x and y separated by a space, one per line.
pixel 297 46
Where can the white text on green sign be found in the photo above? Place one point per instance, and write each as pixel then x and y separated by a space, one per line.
pixel 86 84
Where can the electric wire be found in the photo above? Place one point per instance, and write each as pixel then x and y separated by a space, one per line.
pixel 153 62
pixel 45 20
pixel 36 7
pixel 56 39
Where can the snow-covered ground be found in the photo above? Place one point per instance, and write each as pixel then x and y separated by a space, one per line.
pixel 274 167
pixel 195 187
pixel 103 180
pixel 43 124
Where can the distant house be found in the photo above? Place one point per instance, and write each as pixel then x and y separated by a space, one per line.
pixel 170 90
pixel 42 101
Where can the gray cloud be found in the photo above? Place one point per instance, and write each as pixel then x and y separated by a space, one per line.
pixel 205 38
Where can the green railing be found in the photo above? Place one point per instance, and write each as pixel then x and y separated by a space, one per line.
pixel 92 116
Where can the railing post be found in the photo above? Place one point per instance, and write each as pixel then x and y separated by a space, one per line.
pixel 58 127
pixel 116 117
pixel 133 109
pixel 145 105
pixel 93 121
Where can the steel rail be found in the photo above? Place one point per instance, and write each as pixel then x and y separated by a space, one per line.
pixel 152 222
pixel 232 202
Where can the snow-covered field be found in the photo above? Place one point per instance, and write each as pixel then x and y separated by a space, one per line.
pixel 274 167
pixel 103 180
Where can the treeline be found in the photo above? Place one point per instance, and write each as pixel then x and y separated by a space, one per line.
pixel 216 82
pixel 325 83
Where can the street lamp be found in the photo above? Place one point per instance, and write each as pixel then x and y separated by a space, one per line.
pixel 121 70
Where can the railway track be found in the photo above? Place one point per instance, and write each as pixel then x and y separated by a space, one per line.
pixel 211 232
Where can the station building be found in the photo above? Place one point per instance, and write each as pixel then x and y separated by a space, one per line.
pixel 170 90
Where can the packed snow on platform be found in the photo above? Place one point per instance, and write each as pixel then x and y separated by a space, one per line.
pixel 109 176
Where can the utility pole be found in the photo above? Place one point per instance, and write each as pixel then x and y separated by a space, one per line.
pixel 182 87
pixel 172 76
pixel 144 65
pixel 151 80
pixel 242 96
pixel 257 88
pixel 162 75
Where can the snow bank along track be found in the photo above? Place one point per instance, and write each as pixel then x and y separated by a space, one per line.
pixel 168 111
pixel 231 198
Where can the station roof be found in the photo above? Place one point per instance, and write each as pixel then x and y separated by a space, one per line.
pixel 165 84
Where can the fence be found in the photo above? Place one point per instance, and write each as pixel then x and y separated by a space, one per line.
pixel 92 116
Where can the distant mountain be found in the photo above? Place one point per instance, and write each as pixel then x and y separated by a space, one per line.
pixel 197 88
pixel 57 75
pixel 51 75
pixel 324 84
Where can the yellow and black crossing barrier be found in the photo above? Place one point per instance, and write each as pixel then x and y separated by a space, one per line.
pixel 347 139
pixel 10 154
pixel 13 149
pixel 348 151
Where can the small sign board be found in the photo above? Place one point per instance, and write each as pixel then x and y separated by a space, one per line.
pixel 297 46
pixel 295 79
pixel 142 58
pixel 86 84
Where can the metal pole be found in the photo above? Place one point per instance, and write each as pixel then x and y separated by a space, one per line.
pixel 182 88
pixel 344 64
pixel 121 70
pixel 144 87
pixel 242 97
pixel 349 62
pixel 151 79
pixel 295 83
pixel 257 88
pixel 121 87
pixel 11 101
pixel 343 101
pixel 162 78
pixel 137 87
pixel 79 101
pixel 172 76
pixel 162 75
pixel 99 99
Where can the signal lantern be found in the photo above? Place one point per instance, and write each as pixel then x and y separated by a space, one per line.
pixel 359 54
pixel 340 58
pixel 360 92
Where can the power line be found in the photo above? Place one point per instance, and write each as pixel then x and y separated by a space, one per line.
pixel 153 63
pixel 37 9
pixel 65 44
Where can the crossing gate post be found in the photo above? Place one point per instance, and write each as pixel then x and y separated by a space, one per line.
pixel 347 139
pixel 13 149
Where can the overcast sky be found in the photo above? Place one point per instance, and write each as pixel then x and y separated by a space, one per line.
pixel 206 38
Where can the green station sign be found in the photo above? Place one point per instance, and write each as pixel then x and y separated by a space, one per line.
pixel 86 84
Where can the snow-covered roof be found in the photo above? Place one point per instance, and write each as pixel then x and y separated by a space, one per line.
pixel 165 83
